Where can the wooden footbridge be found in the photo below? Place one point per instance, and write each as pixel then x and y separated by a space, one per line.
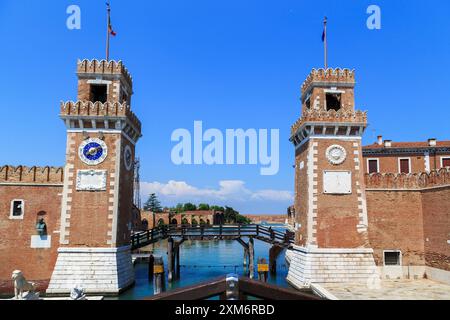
pixel 221 232
pixel 177 234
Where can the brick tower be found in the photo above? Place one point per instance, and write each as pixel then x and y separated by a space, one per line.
pixel 330 201
pixel 97 199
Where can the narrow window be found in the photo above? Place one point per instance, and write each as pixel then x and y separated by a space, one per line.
pixel 445 162
pixel 373 166
pixel 308 103
pixel 392 258
pixel 333 101
pixel 99 93
pixel 17 209
pixel 404 166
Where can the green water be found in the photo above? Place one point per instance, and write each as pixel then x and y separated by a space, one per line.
pixel 204 260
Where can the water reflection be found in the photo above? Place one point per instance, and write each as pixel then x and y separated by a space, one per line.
pixel 203 260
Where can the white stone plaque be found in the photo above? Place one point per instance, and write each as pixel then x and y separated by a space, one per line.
pixel 41 242
pixel 91 180
pixel 337 182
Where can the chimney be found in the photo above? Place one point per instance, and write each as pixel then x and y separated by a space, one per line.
pixel 432 142
pixel 388 143
pixel 380 140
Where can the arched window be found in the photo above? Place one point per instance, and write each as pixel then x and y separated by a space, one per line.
pixel 161 222
pixel 174 222
pixel 145 224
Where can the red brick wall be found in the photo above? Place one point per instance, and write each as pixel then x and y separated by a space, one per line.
pixel 15 251
pixel 436 213
pixel 396 223
pixel 301 194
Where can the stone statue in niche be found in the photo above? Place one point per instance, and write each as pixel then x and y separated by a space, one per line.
pixel 77 293
pixel 23 290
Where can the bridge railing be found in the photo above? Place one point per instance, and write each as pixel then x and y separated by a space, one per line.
pixel 207 231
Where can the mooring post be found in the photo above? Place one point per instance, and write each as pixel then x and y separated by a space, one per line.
pixel 263 269
pixel 251 250
pixel 151 268
pixel 170 259
pixel 245 258
pixel 158 280
pixel 177 262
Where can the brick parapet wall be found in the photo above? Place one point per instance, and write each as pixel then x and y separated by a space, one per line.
pixel 330 75
pixel 413 181
pixel 31 175
pixel 331 116
pixel 104 67
pixel 98 109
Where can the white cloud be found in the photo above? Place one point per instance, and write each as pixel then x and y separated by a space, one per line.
pixel 229 192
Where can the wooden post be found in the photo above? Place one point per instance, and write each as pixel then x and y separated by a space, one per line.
pixel 245 258
pixel 151 268
pixel 170 259
pixel 177 261
pixel 251 249
pixel 158 280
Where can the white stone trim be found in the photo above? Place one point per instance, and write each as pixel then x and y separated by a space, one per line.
pixel 373 159
pixel 409 164
pixel 115 219
pixel 97 270
pixel 11 216
pixel 110 131
pixel 427 162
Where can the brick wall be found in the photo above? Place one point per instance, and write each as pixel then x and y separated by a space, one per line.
pixel 15 241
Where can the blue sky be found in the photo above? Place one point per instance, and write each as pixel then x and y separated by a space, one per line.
pixel 231 64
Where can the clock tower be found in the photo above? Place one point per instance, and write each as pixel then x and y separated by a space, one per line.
pixel 330 202
pixel 97 198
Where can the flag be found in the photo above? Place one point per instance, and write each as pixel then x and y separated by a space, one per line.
pixel 110 28
pixel 323 36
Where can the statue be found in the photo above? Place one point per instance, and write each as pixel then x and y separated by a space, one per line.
pixel 77 293
pixel 21 286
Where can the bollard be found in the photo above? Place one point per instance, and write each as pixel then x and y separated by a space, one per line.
pixel 158 280
pixel 263 269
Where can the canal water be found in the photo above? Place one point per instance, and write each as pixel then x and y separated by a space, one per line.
pixel 201 261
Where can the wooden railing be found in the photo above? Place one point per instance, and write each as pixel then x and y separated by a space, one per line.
pixel 243 288
pixel 205 232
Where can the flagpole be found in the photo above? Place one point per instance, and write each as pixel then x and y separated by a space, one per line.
pixel 325 43
pixel 107 30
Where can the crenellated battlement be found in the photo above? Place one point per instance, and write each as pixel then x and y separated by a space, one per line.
pixel 408 181
pixel 332 116
pixel 98 109
pixel 103 67
pixel 32 175
pixel 330 76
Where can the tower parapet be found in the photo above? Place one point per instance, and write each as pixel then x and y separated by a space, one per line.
pixel 337 77
pixel 108 68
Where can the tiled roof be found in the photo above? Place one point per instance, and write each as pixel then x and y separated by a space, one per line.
pixel 439 144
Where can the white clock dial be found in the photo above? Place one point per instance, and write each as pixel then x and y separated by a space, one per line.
pixel 128 158
pixel 93 151
pixel 336 154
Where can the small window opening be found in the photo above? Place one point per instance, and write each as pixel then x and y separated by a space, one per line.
pixel 333 101
pixel 308 103
pixel 373 166
pixel 17 208
pixel 99 93
pixel 404 166
pixel 124 98
pixel 392 258
pixel 445 162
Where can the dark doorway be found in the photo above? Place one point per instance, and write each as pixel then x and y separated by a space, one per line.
pixel 99 93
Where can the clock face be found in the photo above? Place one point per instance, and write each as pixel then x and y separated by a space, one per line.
pixel 336 154
pixel 128 158
pixel 93 151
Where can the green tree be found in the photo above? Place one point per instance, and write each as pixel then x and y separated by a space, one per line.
pixel 194 222
pixel 203 206
pixel 153 204
pixel 179 208
pixel 189 207
pixel 242 220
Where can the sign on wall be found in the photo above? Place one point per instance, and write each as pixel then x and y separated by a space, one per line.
pixel 91 180
pixel 337 182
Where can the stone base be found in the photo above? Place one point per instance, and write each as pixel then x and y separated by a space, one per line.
pixel 96 270
pixel 313 265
